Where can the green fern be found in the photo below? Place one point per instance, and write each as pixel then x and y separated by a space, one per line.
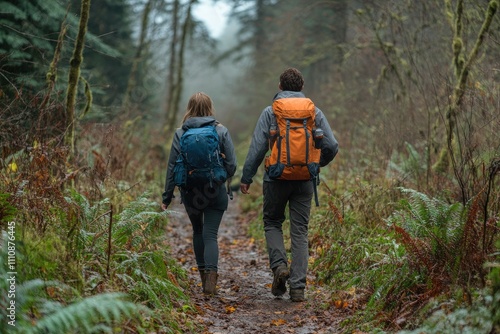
pixel 411 167
pixel 86 314
pixel 426 217
pixel 446 235
pixel 141 216
pixel 146 276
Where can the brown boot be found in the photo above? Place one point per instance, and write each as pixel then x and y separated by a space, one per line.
pixel 203 278
pixel 281 275
pixel 210 282
pixel 297 295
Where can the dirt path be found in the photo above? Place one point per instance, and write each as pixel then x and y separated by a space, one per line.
pixel 244 303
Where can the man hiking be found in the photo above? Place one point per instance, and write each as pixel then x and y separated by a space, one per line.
pixel 301 141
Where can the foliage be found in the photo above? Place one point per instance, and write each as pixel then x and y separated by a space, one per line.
pixel 483 316
pixel 133 258
pixel 7 211
pixel 85 316
pixel 445 242
pixel 356 254
pixel 107 72
pixel 411 167
pixel 40 299
pixel 29 39
pixel 65 236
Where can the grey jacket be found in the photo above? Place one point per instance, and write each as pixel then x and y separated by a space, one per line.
pixel 227 148
pixel 259 145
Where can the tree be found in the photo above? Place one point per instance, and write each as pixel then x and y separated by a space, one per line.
pixel 29 30
pixel 463 63
pixel 74 74
pixel 140 51
pixel 108 73
pixel 176 61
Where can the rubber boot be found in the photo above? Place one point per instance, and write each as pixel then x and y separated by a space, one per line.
pixel 210 282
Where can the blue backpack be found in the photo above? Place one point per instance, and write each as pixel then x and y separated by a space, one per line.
pixel 200 161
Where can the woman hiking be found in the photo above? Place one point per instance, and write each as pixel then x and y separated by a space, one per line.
pixel 203 195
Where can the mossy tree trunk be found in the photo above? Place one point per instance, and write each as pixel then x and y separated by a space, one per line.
pixel 462 64
pixel 74 74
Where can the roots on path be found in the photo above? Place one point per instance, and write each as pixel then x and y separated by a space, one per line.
pixel 244 303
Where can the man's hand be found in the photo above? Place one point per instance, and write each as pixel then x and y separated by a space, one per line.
pixel 164 206
pixel 244 188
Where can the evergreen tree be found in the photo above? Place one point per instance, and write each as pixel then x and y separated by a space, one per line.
pixel 28 34
pixel 107 73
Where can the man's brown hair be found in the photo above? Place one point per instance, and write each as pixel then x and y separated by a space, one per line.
pixel 291 79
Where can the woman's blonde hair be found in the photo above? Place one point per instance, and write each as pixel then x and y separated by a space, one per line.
pixel 199 105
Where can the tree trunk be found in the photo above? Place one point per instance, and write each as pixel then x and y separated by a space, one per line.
pixel 180 68
pixel 74 74
pixel 176 68
pixel 462 66
pixel 132 80
pixel 169 110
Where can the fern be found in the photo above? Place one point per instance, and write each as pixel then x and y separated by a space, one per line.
pixel 444 238
pixel 411 167
pixel 84 315
pixel 147 278
pixel 50 316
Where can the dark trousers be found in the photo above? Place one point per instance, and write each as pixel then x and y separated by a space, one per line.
pixel 298 196
pixel 205 208
pixel 205 229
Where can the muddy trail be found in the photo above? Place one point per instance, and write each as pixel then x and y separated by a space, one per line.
pixel 244 303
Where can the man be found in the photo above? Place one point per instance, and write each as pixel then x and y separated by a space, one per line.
pixel 279 193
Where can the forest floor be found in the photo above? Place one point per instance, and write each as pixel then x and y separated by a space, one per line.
pixel 244 303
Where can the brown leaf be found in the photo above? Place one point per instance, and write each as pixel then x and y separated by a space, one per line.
pixel 278 322
pixel 230 309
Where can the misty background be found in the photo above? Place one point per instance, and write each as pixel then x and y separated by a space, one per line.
pixel 91 93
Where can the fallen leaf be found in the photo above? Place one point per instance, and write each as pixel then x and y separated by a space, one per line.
pixel 51 291
pixel 230 309
pixel 338 303
pixel 278 322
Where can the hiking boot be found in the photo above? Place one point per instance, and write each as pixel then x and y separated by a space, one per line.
pixel 297 295
pixel 281 275
pixel 210 282
pixel 203 278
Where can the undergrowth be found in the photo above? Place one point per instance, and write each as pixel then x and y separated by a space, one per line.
pixel 397 259
pixel 90 242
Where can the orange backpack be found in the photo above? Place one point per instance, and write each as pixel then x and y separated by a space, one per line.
pixel 293 152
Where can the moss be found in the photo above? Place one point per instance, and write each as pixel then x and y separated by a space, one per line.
pixel 74 72
pixel 443 163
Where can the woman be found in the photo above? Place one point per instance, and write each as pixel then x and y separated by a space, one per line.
pixel 204 203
